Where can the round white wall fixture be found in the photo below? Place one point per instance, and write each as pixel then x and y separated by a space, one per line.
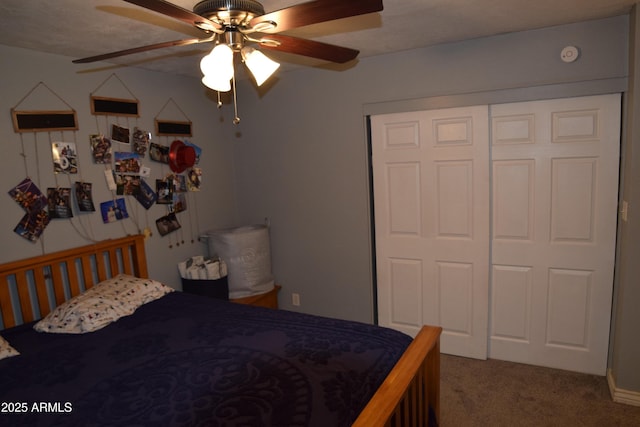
pixel 569 54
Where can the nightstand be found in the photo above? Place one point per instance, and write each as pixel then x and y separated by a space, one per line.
pixel 269 299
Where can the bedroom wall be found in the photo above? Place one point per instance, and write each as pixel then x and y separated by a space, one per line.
pixel 304 152
pixel 625 347
pixel 304 149
pixel 304 164
pixel 213 207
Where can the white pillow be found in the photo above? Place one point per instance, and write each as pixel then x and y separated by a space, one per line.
pixel 101 305
pixel 6 350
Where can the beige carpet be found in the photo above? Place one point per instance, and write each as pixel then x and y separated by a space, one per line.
pixel 497 393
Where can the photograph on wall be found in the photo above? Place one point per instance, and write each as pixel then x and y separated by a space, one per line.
pixel 179 202
pixel 113 210
pixel 164 190
pixel 100 149
pixel 194 178
pixel 197 149
pixel 147 196
pixel 84 198
pixel 127 185
pixel 65 157
pixel 159 153
pixel 179 183
pixel 32 225
pixel 29 196
pixel 141 140
pixel 127 163
pixel 119 134
pixel 167 224
pixel 59 202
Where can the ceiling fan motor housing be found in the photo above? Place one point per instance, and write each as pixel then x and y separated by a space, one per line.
pixel 236 13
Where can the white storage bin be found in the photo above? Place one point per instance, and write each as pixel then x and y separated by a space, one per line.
pixel 246 251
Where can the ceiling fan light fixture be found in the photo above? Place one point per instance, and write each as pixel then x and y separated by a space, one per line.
pixel 217 68
pixel 219 60
pixel 260 65
pixel 217 82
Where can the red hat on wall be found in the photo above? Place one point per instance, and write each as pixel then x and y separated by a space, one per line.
pixel 181 156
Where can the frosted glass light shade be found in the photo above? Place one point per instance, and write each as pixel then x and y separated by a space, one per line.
pixel 260 66
pixel 217 82
pixel 217 68
pixel 219 60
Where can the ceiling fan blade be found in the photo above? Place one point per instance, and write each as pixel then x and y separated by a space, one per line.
pixel 316 11
pixel 309 48
pixel 178 12
pixel 141 49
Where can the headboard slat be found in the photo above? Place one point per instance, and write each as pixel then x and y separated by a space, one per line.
pixel 58 284
pixel 86 271
pixel 126 263
pixel 140 261
pixel 41 290
pixel 8 318
pixel 101 268
pixel 74 284
pixel 65 270
pixel 25 298
pixel 139 257
pixel 113 259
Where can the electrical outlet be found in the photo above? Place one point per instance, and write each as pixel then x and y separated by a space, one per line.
pixel 295 299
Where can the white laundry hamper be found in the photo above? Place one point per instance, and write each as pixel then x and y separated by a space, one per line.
pixel 246 251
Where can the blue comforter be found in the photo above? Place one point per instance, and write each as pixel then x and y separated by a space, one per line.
pixel 186 360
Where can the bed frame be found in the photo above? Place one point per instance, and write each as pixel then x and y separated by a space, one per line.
pixel 31 288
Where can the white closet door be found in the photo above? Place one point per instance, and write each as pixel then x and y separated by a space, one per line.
pixel 431 207
pixel 554 213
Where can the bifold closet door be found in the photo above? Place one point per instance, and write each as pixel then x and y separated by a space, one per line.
pixel 431 208
pixel 554 212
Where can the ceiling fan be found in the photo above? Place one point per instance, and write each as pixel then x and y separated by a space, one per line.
pixel 232 25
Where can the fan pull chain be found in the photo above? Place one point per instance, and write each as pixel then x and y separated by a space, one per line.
pixel 236 119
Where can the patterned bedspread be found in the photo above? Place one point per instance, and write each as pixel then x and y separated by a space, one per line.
pixel 186 360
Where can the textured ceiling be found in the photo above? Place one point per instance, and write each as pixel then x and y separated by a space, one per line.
pixel 80 28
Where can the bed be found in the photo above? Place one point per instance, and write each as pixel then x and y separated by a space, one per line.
pixel 187 360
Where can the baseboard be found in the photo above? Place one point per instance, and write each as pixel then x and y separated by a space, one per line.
pixel 622 396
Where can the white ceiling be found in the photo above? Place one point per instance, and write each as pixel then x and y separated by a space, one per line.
pixel 80 28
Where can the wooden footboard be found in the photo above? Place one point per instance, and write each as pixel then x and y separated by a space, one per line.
pixel 410 395
pixel 31 288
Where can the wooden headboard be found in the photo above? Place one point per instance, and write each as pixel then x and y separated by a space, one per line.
pixel 31 288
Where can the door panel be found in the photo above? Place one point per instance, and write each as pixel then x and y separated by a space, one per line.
pixel 555 175
pixel 431 201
